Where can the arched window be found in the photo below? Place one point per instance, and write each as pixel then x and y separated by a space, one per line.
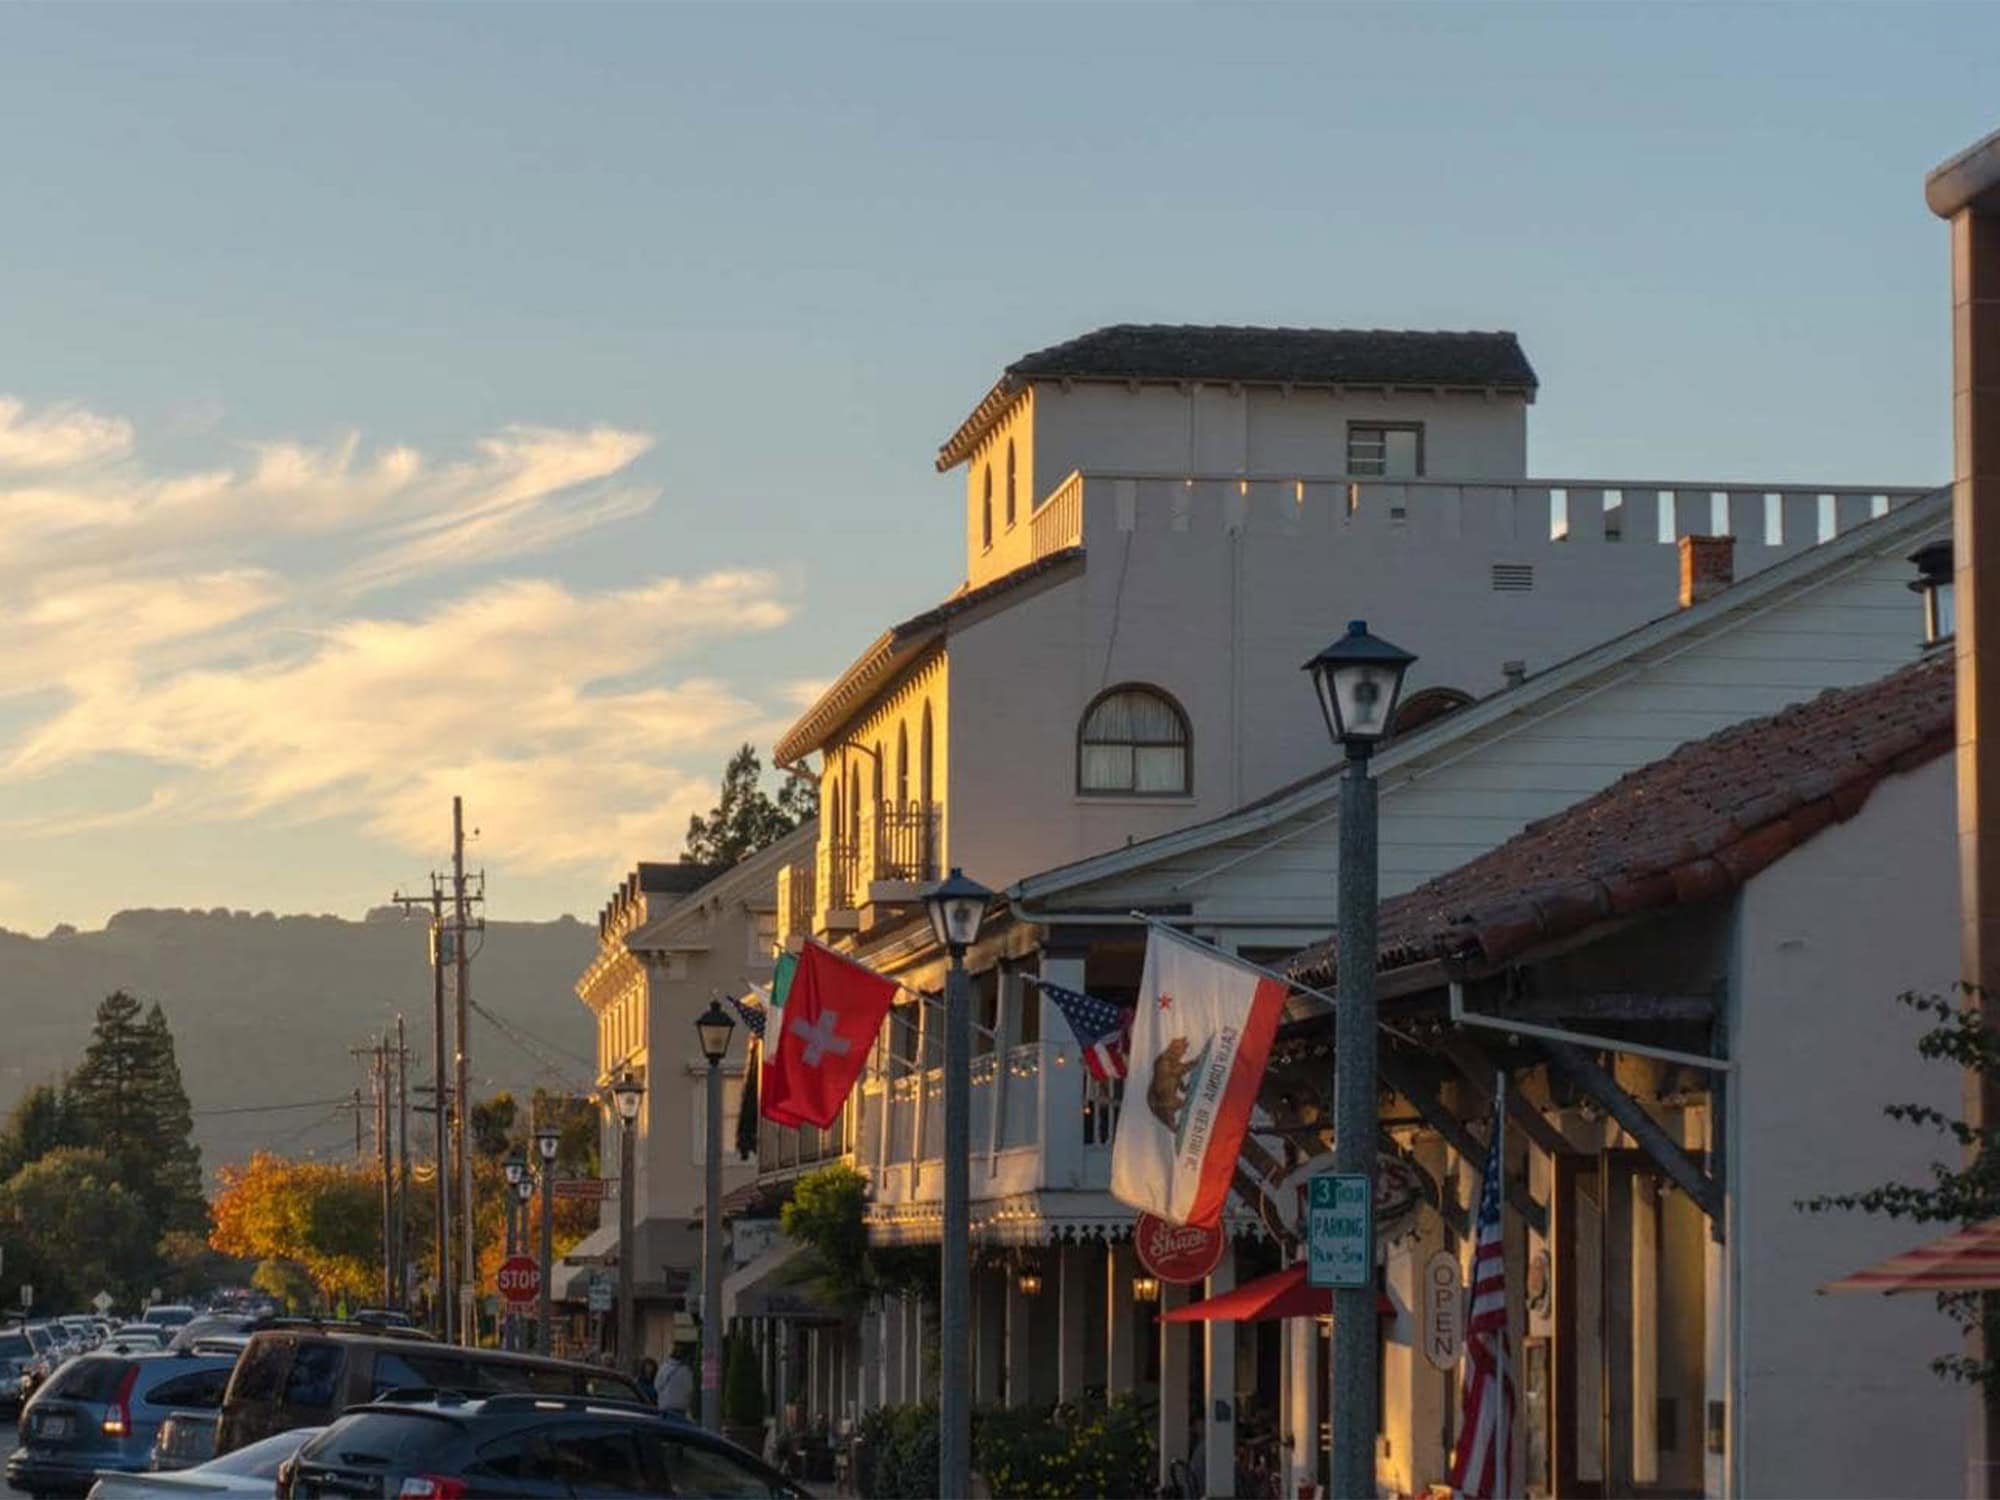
pixel 924 760
pixel 1133 742
pixel 878 779
pixel 902 764
pixel 1010 481
pixel 838 824
pixel 853 803
pixel 986 507
pixel 1426 707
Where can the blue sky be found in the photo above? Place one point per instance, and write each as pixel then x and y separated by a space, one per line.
pixel 535 401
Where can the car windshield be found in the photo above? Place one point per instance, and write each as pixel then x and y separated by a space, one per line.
pixel 377 1439
pixel 38 1338
pixel 260 1460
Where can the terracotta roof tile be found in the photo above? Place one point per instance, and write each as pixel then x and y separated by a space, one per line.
pixel 1681 830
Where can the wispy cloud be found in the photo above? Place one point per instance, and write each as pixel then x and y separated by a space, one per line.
pixel 211 625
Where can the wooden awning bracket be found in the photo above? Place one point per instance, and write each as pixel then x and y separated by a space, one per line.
pixel 1665 1152
pixel 1412 1086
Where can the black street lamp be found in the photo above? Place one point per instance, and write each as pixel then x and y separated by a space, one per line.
pixel 626 1095
pixel 713 1027
pixel 957 908
pixel 1358 679
pixel 547 1139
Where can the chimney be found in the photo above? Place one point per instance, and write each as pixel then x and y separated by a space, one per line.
pixel 1513 673
pixel 1966 192
pixel 1708 566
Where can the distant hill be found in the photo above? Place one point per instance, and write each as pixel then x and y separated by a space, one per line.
pixel 264 1009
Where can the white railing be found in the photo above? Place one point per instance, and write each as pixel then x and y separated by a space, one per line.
pixel 1038 1121
pixel 1058 521
pixel 1782 517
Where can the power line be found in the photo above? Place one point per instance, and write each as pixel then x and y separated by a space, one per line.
pixel 261 1109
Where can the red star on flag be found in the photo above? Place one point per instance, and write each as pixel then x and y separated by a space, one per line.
pixel 1166 1001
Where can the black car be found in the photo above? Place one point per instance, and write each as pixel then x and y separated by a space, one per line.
pixel 439 1446
pixel 305 1376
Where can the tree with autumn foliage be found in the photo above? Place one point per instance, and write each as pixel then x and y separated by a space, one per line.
pixel 322 1217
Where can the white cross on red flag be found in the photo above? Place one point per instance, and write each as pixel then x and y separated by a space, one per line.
pixel 826 1025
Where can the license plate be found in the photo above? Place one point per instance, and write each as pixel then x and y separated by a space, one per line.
pixel 51 1426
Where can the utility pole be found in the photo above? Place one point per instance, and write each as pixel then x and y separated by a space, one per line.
pixel 461 960
pixel 377 1053
pixel 441 1105
pixel 402 1166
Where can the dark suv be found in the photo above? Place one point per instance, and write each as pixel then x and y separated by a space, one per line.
pixel 439 1446
pixel 101 1411
pixel 305 1377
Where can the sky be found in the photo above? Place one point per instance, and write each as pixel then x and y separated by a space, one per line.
pixel 535 402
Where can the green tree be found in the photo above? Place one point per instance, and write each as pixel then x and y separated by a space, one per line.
pixel 41 1121
pixel 746 818
pixel 1964 1194
pixel 576 1131
pixel 493 1132
pixel 825 1215
pixel 128 1102
pixel 73 1230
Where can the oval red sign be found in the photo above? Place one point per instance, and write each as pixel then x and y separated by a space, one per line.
pixel 1176 1252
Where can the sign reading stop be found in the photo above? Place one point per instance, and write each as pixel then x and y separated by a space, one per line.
pixel 519 1279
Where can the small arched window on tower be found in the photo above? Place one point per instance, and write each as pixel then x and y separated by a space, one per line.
pixel 986 507
pixel 1010 484
pixel 1133 742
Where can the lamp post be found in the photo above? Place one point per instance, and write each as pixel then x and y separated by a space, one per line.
pixel 713 1027
pixel 546 1141
pixel 515 1168
pixel 957 907
pixel 1358 679
pixel 626 1094
pixel 523 1191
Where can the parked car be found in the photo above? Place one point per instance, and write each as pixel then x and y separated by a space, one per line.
pixel 208 1325
pixel 135 1337
pixel 46 1353
pixel 168 1314
pixel 102 1411
pixel 247 1471
pixel 443 1446
pixel 15 1353
pixel 306 1376
pixel 83 1330
pixel 185 1438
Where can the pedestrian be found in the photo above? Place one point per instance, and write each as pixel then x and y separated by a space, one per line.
pixel 649 1372
pixel 676 1381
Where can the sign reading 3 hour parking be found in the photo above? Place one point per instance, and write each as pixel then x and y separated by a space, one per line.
pixel 1340 1231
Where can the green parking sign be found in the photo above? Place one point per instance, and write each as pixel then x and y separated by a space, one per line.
pixel 1340 1230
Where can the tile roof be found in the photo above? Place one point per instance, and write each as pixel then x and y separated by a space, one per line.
pixel 1257 356
pixel 1698 823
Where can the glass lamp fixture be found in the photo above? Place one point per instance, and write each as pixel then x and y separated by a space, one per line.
pixel 626 1094
pixel 1029 1283
pixel 1358 679
pixel 1145 1288
pixel 546 1141
pixel 957 907
pixel 524 1187
pixel 516 1168
pixel 713 1026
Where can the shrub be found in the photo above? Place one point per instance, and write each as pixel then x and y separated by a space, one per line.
pixel 742 1385
pixel 900 1453
pixel 1093 1448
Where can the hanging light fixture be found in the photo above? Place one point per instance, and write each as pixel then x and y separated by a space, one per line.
pixel 1029 1282
pixel 1145 1288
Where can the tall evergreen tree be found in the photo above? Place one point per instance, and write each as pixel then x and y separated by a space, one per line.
pixel 129 1103
pixel 40 1122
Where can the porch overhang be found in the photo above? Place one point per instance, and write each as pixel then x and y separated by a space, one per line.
pixel 1039 1218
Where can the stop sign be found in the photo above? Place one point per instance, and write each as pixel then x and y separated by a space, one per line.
pixel 519 1279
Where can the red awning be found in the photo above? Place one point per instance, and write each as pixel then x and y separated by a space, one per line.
pixel 1966 1260
pixel 1282 1294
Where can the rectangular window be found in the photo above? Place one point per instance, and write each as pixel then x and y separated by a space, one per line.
pixel 763 938
pixel 1385 450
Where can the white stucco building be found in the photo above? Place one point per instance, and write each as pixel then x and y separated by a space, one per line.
pixel 1108 713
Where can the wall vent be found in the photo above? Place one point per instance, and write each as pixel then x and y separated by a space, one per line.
pixel 1513 578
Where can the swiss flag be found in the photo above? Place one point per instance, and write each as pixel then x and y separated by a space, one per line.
pixel 832 1010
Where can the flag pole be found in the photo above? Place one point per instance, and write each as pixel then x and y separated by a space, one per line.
pixel 1503 1435
pixel 1256 968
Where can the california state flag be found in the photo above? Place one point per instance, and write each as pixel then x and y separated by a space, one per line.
pixel 1200 1037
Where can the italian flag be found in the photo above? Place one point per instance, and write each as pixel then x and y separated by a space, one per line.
pixel 1200 1038
pixel 825 1013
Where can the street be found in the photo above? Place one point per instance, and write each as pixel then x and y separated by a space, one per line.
pixel 7 1441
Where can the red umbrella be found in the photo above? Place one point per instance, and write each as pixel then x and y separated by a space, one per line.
pixel 1282 1294
pixel 1966 1260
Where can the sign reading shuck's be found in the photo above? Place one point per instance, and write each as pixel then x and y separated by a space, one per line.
pixel 1180 1253
pixel 1340 1231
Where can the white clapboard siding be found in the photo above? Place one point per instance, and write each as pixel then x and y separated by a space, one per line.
pixel 1473 793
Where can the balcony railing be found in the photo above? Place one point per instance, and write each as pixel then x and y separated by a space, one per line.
pixel 839 886
pixel 906 842
pixel 795 900
pixel 1767 520
pixel 1058 521
pixel 787 1148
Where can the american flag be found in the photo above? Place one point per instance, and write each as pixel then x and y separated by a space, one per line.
pixel 1483 1466
pixel 751 1012
pixel 1099 1025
